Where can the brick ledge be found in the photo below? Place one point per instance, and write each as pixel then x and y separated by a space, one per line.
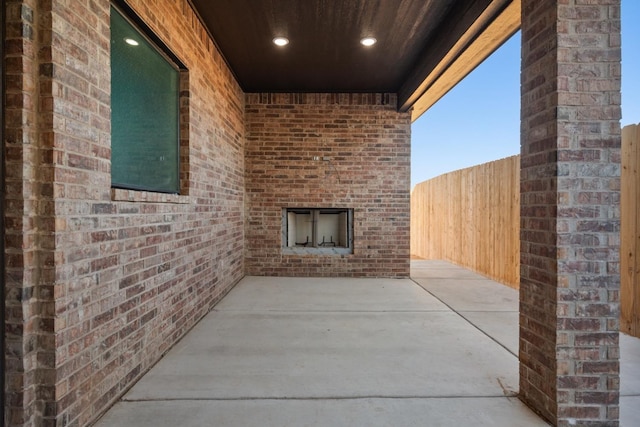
pixel 121 195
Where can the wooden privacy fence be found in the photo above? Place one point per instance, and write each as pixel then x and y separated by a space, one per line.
pixel 471 217
pixel 630 232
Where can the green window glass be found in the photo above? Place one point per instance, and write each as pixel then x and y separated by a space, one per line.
pixel 145 128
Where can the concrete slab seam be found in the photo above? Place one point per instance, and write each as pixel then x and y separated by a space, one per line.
pixel 466 319
pixel 311 398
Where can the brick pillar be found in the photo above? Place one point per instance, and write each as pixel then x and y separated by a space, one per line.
pixel 22 237
pixel 569 298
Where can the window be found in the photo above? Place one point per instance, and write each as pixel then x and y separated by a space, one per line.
pixel 145 111
pixel 307 230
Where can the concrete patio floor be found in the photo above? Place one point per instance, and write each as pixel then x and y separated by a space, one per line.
pixel 438 350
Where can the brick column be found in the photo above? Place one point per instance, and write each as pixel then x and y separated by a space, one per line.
pixel 24 265
pixel 569 299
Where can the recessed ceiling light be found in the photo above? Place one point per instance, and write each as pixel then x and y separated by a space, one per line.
pixel 281 41
pixel 368 41
pixel 131 42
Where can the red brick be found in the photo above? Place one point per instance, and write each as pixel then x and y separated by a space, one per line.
pixel 69 219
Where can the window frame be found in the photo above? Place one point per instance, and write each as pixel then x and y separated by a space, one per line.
pixel 182 107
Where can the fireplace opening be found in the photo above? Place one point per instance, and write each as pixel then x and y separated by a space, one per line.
pixel 318 230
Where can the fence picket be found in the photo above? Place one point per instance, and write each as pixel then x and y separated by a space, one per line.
pixel 629 232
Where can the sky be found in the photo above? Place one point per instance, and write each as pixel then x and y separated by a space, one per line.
pixel 478 121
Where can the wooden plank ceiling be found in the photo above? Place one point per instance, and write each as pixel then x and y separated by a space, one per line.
pixel 418 41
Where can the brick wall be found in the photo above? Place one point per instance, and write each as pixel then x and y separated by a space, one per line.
pixel 368 144
pixel 570 277
pixel 101 283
